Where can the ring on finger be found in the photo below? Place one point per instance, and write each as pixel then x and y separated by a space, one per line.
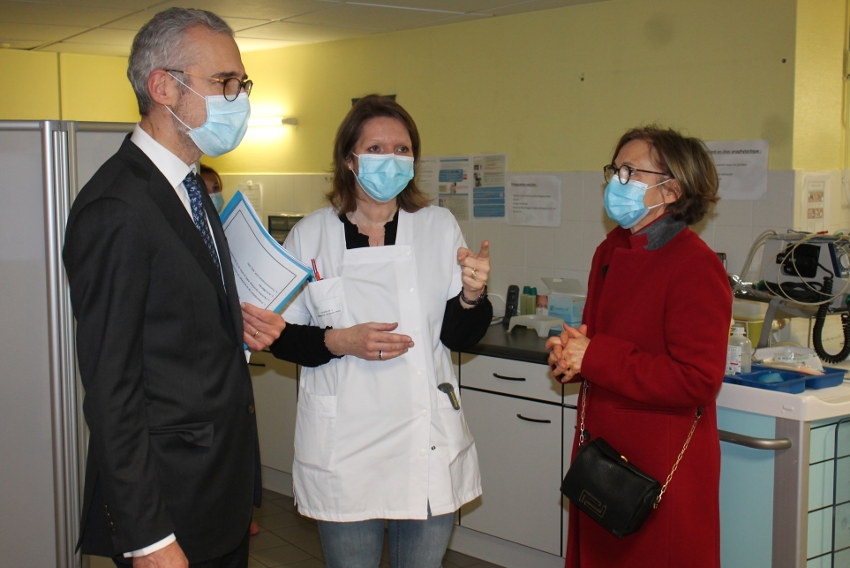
pixel 474 271
pixel 256 333
pixel 380 354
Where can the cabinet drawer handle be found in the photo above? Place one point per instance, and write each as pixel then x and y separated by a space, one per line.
pixel 753 442
pixel 505 378
pixel 256 364
pixel 538 420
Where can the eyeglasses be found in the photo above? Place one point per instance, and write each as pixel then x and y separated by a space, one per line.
pixel 624 173
pixel 231 87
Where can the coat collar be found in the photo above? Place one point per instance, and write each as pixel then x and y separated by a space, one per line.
pixel 658 233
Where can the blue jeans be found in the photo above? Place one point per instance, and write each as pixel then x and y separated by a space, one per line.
pixel 412 543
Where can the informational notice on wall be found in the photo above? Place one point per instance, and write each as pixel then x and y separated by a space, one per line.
pixel 742 167
pixel 534 200
pixel 470 186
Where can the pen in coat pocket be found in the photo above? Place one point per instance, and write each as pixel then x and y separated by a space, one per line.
pixel 315 269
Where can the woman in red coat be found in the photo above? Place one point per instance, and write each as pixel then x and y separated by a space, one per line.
pixel 652 349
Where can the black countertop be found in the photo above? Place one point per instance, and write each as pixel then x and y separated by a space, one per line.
pixel 521 344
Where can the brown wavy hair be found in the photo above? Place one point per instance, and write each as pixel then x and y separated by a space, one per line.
pixel 688 161
pixel 343 194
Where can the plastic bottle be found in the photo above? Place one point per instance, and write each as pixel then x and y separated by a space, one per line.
pixel 739 353
pixel 527 301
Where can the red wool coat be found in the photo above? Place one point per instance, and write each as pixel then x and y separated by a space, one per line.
pixel 659 324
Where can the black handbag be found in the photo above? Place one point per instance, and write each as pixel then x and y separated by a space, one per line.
pixel 608 488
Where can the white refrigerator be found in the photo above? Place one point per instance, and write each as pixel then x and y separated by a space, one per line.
pixel 42 166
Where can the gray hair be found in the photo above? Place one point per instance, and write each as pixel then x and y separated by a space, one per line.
pixel 158 46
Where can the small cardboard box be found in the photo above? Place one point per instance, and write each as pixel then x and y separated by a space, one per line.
pixel 568 307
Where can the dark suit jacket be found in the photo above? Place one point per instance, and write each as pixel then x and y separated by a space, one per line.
pixel 168 397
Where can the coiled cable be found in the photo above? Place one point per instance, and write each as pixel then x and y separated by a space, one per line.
pixel 817 330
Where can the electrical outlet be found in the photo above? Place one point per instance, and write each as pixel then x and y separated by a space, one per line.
pixel 815 200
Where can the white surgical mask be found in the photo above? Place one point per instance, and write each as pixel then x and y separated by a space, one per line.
pixel 225 126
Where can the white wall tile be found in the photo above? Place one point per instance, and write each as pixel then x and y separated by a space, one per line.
pixel 522 255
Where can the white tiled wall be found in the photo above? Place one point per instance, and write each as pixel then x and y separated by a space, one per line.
pixel 283 193
pixel 523 255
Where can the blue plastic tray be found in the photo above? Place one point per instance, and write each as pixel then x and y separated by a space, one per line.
pixel 768 378
pixel 831 376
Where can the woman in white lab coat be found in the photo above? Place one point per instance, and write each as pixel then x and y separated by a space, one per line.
pixel 380 435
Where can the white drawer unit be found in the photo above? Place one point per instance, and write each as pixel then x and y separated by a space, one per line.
pixel 506 376
pixel 516 414
pixel 519 451
pixel 275 399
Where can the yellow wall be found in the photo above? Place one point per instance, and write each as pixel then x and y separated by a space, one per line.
pixel 552 89
pixel 819 131
pixel 51 86
pixel 88 95
pixel 31 91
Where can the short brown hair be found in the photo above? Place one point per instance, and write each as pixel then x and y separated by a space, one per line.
pixel 343 194
pixel 688 161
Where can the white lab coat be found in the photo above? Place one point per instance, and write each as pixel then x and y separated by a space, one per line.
pixel 376 439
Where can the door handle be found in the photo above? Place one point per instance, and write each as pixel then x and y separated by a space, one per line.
pixel 773 444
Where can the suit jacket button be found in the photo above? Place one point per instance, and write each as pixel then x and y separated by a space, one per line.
pixel 250 409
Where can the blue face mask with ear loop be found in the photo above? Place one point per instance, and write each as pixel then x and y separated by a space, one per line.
pixel 225 126
pixel 218 201
pixel 624 201
pixel 383 176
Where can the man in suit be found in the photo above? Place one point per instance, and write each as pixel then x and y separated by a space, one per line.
pixel 173 462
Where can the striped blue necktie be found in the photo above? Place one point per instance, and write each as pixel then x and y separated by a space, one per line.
pixel 193 186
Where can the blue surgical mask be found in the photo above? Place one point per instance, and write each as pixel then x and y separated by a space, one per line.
pixel 218 201
pixel 384 176
pixel 624 202
pixel 225 126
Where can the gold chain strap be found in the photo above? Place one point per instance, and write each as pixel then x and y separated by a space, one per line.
pixel 582 440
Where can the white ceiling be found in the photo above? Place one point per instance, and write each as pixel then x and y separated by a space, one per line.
pixel 107 27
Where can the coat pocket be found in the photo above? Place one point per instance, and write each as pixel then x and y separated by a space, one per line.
pixel 195 433
pixel 326 301
pixel 314 429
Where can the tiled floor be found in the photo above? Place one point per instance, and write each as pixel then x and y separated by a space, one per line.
pixel 288 540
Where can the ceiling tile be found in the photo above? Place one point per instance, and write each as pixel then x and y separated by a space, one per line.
pixel 88 26
pixel 36 32
pixel 293 33
pixel 376 18
pixel 104 36
pixel 255 44
pixel 49 14
pixel 510 8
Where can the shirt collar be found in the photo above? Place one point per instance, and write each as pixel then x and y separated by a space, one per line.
pixel 173 168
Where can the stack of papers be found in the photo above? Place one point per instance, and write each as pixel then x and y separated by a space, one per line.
pixel 267 275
